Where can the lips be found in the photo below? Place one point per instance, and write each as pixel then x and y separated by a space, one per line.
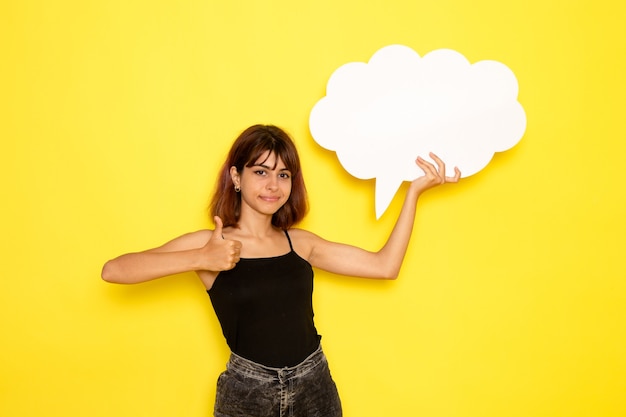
pixel 270 199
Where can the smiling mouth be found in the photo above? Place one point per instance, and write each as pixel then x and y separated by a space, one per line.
pixel 270 199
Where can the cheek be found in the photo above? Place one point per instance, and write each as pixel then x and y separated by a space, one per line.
pixel 287 191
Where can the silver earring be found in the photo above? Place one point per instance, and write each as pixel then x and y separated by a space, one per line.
pixel 237 188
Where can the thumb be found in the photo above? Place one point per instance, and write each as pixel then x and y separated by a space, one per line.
pixel 217 233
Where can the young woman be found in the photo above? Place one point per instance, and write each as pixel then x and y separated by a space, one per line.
pixel 258 273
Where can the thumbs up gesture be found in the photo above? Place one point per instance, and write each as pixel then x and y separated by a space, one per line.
pixel 220 254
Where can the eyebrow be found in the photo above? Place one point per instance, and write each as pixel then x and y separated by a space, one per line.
pixel 268 168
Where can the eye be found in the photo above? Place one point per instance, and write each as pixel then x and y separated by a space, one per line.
pixel 259 172
pixel 284 175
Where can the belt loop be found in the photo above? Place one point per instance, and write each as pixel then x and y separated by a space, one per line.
pixel 281 375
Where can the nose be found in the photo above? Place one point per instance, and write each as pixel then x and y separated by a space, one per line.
pixel 272 183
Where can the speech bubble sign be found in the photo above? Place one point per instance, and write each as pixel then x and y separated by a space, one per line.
pixel 380 115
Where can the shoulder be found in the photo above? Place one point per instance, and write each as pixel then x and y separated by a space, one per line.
pixel 199 236
pixel 186 241
pixel 301 235
pixel 304 242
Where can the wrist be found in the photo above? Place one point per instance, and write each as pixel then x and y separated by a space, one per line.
pixel 197 260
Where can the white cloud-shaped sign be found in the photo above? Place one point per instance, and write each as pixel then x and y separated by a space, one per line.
pixel 379 116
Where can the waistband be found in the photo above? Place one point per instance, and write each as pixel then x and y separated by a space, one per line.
pixel 256 370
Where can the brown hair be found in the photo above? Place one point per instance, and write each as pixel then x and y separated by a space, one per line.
pixel 245 151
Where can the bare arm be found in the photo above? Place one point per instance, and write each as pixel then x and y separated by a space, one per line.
pixel 204 250
pixel 349 260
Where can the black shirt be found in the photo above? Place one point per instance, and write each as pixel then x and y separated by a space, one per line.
pixel 265 309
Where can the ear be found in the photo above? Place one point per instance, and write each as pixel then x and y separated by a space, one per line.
pixel 234 175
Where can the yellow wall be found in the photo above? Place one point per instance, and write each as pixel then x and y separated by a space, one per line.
pixel 115 115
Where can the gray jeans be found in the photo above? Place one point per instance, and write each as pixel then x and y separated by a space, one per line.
pixel 248 389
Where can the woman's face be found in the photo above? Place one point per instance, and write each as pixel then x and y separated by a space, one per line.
pixel 265 186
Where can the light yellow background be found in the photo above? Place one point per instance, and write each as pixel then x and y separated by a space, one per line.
pixel 116 114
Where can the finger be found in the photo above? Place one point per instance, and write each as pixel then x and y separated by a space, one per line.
pixel 235 247
pixel 457 176
pixel 217 233
pixel 430 171
pixel 426 166
pixel 440 164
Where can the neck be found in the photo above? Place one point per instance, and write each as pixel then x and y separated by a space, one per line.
pixel 259 225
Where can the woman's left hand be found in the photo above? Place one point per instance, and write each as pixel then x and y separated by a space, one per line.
pixel 433 175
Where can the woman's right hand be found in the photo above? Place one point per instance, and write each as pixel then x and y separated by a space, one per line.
pixel 220 254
